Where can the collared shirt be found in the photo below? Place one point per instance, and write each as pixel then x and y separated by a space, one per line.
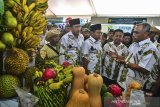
pixel 146 55
pixel 92 50
pixel 111 68
pixel 71 45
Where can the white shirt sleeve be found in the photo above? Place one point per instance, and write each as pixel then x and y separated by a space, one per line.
pixel 147 62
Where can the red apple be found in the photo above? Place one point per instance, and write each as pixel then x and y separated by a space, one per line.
pixel 49 73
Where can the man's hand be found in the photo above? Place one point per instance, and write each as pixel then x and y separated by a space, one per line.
pixel 121 61
pixel 120 57
pixel 112 54
pixel 85 64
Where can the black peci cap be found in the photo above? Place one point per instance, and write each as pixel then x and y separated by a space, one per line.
pixel 74 22
pixel 95 27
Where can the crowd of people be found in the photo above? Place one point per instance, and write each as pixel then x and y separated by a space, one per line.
pixel 117 56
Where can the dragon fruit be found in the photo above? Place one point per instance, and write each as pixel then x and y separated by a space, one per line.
pixel 115 90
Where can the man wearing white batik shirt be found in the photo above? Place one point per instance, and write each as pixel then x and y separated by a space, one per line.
pixel 112 50
pixel 71 43
pixel 154 33
pixel 92 50
pixel 143 55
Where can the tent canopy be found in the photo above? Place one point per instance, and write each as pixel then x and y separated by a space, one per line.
pixel 104 8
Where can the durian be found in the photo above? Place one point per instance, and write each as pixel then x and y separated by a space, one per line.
pixel 7 83
pixel 16 61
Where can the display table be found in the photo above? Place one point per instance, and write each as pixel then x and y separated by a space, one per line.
pixel 9 103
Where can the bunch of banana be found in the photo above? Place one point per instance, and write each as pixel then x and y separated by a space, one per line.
pixel 56 86
pixel 27 39
pixel 31 22
pixel 38 74
pixel 41 5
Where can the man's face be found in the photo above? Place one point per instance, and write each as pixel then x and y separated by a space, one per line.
pixel 126 39
pixel 54 39
pixel 97 34
pixel 138 33
pixel 110 35
pixel 118 37
pixel 67 29
pixel 76 29
pixel 86 35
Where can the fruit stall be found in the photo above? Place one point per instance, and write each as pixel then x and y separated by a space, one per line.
pixel 47 84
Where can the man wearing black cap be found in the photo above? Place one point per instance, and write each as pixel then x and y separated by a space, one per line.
pixel 91 50
pixel 71 42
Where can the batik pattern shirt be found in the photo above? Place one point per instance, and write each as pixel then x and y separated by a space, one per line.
pixel 92 51
pixel 70 45
pixel 111 68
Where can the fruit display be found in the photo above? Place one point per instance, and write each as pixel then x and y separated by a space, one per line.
pixel 16 61
pixel 22 23
pixel 7 85
pixel 51 85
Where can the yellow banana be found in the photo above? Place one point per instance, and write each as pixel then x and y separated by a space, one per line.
pixel 35 15
pixel 17 1
pixel 31 45
pixel 24 2
pixel 30 29
pixel 30 49
pixel 37 23
pixel 37 33
pixel 43 9
pixel 25 16
pixel 17 34
pixel 36 44
pixel 31 6
pixel 25 29
pixel 37 74
pixel 40 73
pixel 14 9
pixel 26 9
pixel 24 36
pixel 41 1
pixel 38 28
pixel 30 36
pixel 19 28
pixel 39 16
pixel 19 16
pixel 28 42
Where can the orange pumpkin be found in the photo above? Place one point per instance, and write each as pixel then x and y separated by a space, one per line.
pixel 95 83
pixel 78 81
pixel 80 98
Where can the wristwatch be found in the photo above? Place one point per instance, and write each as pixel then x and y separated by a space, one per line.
pixel 126 64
